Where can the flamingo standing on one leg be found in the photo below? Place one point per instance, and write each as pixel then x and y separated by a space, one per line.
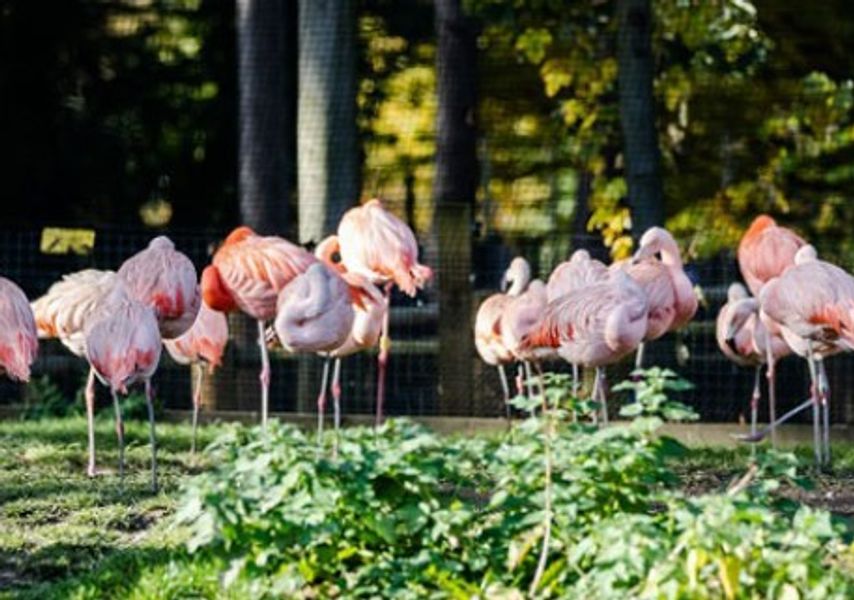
pixel 579 271
pixel 62 313
pixel 374 243
pixel 123 346
pixel 813 305
pixel 745 340
pixel 203 343
pixel 247 273
pixel 19 343
pixel 314 314
pixel 765 251
pixel 672 301
pixel 487 325
pixel 594 326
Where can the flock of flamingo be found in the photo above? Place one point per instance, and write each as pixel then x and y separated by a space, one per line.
pixel 335 302
pixel 592 315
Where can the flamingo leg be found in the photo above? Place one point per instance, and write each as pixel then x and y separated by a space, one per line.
pixel 520 386
pixel 575 379
pixel 603 393
pixel 754 404
pixel 120 434
pixel 149 400
pixel 639 356
pixel 321 399
pixel 815 407
pixel 594 394
pixel 265 374
pixel 89 395
pixel 529 379
pixel 541 384
pixel 197 401
pixel 382 359
pixel 824 395
pixel 771 373
pixel 336 401
pixel 502 375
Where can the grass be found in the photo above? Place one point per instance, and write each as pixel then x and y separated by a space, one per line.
pixel 64 535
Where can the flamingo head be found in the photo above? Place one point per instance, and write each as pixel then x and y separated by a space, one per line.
pixel 656 241
pixel 329 251
pixel 736 292
pixel 214 292
pixel 516 277
pixel 739 312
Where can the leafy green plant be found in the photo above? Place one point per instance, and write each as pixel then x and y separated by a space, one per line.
pixel 43 399
pixel 652 388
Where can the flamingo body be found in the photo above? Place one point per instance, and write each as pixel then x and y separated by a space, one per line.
pixel 765 251
pixel 204 342
pixel 580 270
pixel 18 338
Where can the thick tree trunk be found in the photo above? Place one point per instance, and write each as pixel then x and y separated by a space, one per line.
pixel 266 73
pixel 454 192
pixel 637 114
pixel 327 137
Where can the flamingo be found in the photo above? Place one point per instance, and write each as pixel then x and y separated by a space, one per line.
pixel 487 325
pixel 594 326
pixel 123 346
pixel 203 343
pixel 672 301
pixel 746 341
pixel 374 243
pixel 580 270
pixel 521 316
pixel 19 343
pixel 765 251
pixel 812 303
pixel 166 280
pixel 315 314
pixel 62 313
pixel 247 273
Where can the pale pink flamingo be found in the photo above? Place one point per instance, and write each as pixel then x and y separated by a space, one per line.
pixel 812 303
pixel 247 273
pixel 487 325
pixel 765 251
pixel 579 271
pixel 203 344
pixel 19 343
pixel 166 280
pixel 657 268
pixel 595 326
pixel 521 316
pixel 62 313
pixel 374 243
pixel 746 341
pixel 123 347
pixel 315 314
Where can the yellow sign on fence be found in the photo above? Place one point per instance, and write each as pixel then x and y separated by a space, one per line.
pixel 59 240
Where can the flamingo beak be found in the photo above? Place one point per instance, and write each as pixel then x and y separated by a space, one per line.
pixel 730 342
pixel 505 284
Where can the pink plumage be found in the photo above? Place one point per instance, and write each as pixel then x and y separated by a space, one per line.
pixel 204 342
pixel 595 325
pixel 165 280
pixel 369 308
pixel 487 325
pixel 579 271
pixel 766 251
pixel 123 344
pixel 521 317
pixel 18 338
pixel 314 311
pixel 740 333
pixel 375 243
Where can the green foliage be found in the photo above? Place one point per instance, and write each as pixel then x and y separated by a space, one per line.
pixel 651 389
pixel 401 513
pixel 43 399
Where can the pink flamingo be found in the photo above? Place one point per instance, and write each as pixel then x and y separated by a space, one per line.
pixel 580 270
pixel 487 325
pixel 672 301
pixel 595 326
pixel 62 313
pixel 521 316
pixel 765 251
pixel 123 346
pixel 315 314
pixel 745 340
pixel 165 280
pixel 374 243
pixel 203 343
pixel 247 273
pixel 812 303
pixel 19 343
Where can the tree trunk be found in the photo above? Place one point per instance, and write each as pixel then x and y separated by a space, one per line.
pixel 454 192
pixel 266 73
pixel 328 151
pixel 637 114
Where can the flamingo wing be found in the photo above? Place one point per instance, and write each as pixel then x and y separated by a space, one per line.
pixel 18 337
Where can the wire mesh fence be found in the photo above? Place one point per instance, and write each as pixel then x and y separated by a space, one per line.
pixel 722 389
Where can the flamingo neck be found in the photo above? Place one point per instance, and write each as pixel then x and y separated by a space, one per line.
pixel 214 292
